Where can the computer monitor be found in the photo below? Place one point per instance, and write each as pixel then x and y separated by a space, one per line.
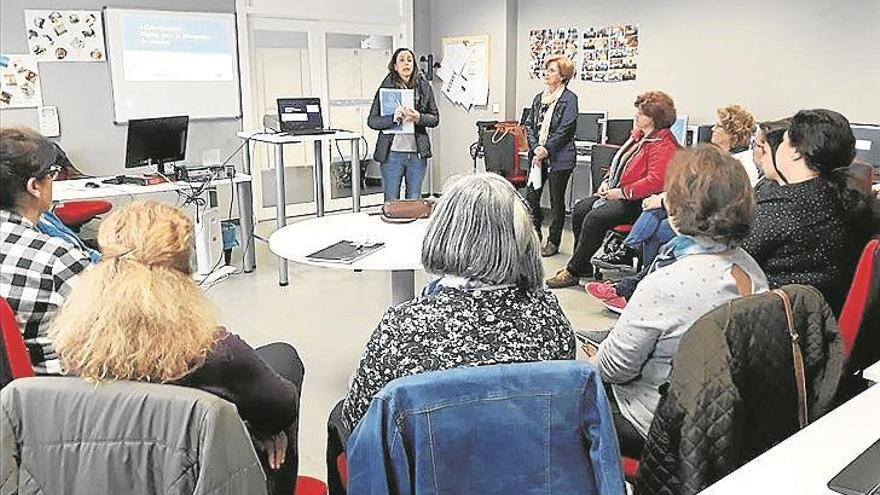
pixel 156 141
pixel 300 114
pixel 526 113
pixel 679 130
pixel 591 126
pixel 867 143
pixel 617 131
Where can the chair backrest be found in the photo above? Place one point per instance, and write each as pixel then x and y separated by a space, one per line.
pixel 600 160
pixel 513 428
pixel 617 131
pixel 863 298
pixel 16 363
pixel 64 435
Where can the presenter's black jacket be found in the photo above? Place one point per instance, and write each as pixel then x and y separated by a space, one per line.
pixel 560 139
pixel 425 105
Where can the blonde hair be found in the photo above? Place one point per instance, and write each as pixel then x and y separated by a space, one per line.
pixel 738 123
pixel 137 315
pixel 566 67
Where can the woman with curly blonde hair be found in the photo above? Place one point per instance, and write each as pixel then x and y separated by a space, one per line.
pixel 732 132
pixel 138 315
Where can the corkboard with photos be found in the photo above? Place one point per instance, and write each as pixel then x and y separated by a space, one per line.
pixel 601 54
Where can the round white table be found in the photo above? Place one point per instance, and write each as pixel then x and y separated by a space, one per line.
pixel 401 255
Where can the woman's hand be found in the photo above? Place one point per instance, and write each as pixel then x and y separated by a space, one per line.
pixel 276 449
pixel 613 194
pixel 652 202
pixel 591 352
pixel 603 188
pixel 399 114
pixel 541 152
pixel 411 115
pixel 536 162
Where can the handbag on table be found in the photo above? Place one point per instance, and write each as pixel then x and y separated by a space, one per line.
pixel 406 210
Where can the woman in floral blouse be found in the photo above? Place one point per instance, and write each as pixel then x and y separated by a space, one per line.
pixel 487 306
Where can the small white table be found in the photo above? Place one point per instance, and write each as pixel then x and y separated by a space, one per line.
pixel 279 140
pixel 401 255
pixel 76 190
pixel 872 373
pixel 805 462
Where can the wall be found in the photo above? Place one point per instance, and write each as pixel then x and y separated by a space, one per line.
pixel 82 91
pixel 772 56
pixel 457 129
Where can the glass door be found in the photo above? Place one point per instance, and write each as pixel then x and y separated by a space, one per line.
pixel 356 65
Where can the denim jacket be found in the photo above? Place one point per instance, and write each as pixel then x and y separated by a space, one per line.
pixel 541 427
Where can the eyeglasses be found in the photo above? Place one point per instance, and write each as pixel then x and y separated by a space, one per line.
pixel 52 171
pixel 755 144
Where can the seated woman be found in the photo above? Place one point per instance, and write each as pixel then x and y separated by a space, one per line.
pixel 732 132
pixel 138 315
pixel 636 172
pixel 710 206
pixel 488 305
pixel 812 228
pixel 36 269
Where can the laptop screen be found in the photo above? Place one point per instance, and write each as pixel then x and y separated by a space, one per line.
pixel 299 113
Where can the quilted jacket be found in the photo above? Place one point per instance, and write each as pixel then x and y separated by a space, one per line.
pixel 731 394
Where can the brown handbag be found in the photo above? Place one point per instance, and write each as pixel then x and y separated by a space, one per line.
pixel 798 358
pixel 406 210
pixel 511 127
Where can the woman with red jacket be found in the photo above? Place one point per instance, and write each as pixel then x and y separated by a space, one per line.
pixel 637 171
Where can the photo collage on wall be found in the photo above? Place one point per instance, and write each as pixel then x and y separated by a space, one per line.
pixel 609 53
pixel 600 54
pixel 19 81
pixel 544 43
pixel 65 35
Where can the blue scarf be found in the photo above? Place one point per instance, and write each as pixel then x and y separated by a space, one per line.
pixel 685 245
pixel 52 226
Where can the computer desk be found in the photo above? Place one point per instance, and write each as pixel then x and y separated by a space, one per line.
pixel 805 462
pixel 76 190
pixel 278 141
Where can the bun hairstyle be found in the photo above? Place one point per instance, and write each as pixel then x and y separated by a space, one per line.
pixel 137 314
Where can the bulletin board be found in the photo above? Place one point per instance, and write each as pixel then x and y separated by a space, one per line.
pixel 477 65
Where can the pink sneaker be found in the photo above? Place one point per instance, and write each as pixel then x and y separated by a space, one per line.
pixel 601 290
pixel 615 304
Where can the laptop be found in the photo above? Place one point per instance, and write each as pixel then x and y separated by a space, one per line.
pixel 301 116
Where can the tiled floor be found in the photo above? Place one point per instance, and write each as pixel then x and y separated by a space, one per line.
pixel 328 315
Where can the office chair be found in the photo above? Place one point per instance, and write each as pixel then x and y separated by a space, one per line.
pixel 617 131
pixel 16 362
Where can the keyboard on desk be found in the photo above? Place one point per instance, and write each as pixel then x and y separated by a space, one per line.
pixel 126 179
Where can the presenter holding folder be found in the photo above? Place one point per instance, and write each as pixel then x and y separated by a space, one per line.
pixel 402 110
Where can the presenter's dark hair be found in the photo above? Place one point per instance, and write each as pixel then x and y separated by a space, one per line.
pixel 24 154
pixel 393 72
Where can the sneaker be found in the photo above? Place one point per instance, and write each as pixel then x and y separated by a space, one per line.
pixel 601 290
pixel 562 279
pixel 620 259
pixel 549 249
pixel 615 304
pixel 594 337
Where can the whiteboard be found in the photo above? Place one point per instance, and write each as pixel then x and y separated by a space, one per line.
pixel 166 63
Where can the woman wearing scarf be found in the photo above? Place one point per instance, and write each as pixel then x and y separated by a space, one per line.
pixel 636 172
pixel 550 129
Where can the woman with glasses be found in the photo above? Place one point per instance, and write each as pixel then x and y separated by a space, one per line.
pixel 36 269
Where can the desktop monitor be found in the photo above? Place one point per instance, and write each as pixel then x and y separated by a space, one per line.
pixel 679 130
pixel 526 113
pixel 867 143
pixel 156 141
pixel 591 126
pixel 617 131
pixel 300 114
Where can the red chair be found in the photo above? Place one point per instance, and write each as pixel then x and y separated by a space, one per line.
pixel 16 360
pixel 630 468
pixel 853 312
pixel 76 213
pixel 306 485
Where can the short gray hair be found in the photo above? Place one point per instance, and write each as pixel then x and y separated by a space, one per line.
pixel 481 229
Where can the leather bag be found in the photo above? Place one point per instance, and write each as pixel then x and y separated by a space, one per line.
pixel 406 210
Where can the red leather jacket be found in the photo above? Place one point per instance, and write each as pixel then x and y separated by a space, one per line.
pixel 645 173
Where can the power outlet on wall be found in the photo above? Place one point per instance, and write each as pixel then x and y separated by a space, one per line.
pixel 496 108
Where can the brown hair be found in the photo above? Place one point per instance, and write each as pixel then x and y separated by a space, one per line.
pixel 708 194
pixel 138 314
pixel 738 123
pixel 659 106
pixel 566 67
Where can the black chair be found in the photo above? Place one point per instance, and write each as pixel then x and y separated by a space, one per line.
pixel 600 160
pixel 617 131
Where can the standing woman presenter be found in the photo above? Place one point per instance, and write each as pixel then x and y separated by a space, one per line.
pixel 404 155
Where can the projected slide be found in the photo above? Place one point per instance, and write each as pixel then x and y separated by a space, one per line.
pixel 168 48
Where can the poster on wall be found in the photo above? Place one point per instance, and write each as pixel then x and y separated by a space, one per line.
pixel 544 43
pixel 65 35
pixel 19 81
pixel 609 53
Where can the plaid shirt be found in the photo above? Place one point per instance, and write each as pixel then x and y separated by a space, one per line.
pixel 35 275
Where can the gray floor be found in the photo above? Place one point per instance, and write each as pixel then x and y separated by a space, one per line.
pixel 328 316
